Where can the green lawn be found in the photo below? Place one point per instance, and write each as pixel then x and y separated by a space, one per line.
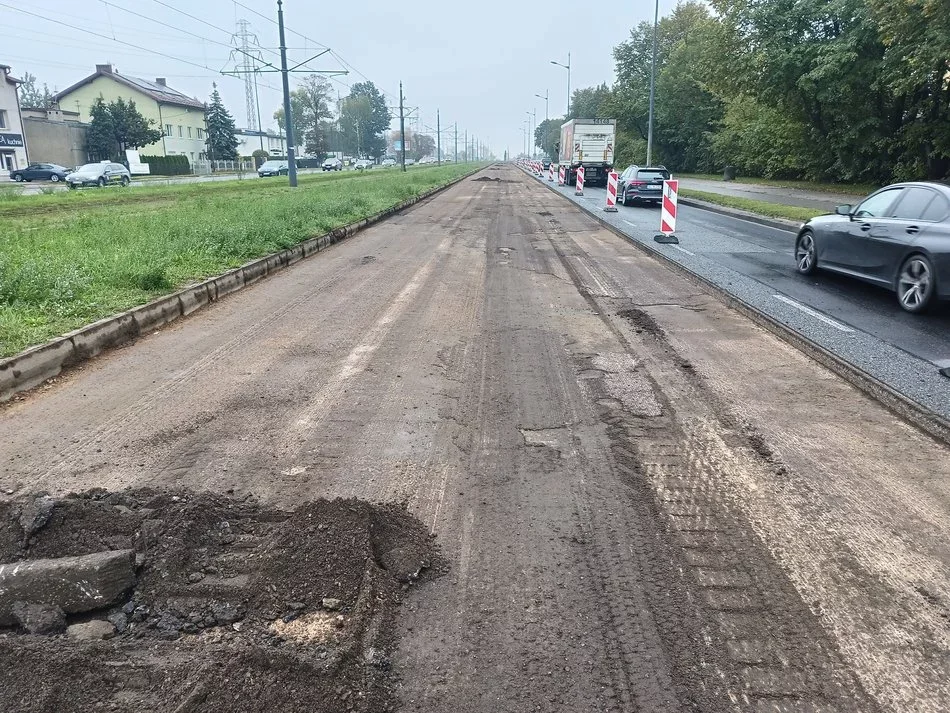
pixel 772 210
pixel 68 259
pixel 860 189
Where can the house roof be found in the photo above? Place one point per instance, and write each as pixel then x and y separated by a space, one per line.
pixel 159 92
pixel 5 68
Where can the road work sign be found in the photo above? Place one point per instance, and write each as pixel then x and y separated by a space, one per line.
pixel 668 213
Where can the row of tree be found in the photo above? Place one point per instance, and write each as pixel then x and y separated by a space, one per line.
pixel 840 90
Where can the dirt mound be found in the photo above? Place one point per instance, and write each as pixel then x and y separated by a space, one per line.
pixel 236 607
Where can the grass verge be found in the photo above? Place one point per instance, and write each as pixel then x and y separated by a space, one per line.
pixel 857 189
pixel 72 258
pixel 772 210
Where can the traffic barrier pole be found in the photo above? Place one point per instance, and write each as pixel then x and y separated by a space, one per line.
pixel 611 206
pixel 560 175
pixel 551 172
pixel 668 213
pixel 579 190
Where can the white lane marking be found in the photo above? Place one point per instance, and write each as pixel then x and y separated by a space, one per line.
pixel 682 250
pixel 632 225
pixel 815 313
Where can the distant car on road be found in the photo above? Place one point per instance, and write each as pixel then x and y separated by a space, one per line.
pixel 40 172
pixel 388 162
pixel 99 174
pixel 546 164
pixel 363 163
pixel 410 162
pixel 641 183
pixel 333 164
pixel 898 238
pixel 273 168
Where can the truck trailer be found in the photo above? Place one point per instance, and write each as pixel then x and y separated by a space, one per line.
pixel 588 143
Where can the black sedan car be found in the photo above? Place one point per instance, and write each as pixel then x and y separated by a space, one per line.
pixel 898 238
pixel 40 172
pixel 641 183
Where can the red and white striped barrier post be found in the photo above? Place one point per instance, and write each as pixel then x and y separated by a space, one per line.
pixel 668 213
pixel 551 172
pixel 611 206
pixel 579 189
pixel 560 175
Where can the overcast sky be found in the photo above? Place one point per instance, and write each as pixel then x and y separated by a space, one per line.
pixel 479 63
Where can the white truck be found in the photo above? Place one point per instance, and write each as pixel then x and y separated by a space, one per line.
pixel 588 143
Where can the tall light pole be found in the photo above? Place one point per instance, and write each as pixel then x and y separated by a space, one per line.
pixel 656 20
pixel 545 97
pixel 530 137
pixel 568 68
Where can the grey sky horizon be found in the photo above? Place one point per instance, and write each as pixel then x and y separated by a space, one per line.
pixel 480 67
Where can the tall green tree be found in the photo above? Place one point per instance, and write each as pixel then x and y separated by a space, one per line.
pixel 32 96
pixel 310 111
pixel 364 119
pixel 547 134
pixel 117 126
pixel 222 140
pixel 591 103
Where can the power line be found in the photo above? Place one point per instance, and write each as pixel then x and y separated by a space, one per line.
pixel 107 37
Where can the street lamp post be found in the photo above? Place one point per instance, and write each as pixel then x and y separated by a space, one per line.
pixel 531 134
pixel 545 97
pixel 656 19
pixel 568 68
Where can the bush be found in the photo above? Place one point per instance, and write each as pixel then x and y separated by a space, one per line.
pixel 167 165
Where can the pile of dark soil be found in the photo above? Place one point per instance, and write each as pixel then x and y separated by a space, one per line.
pixel 236 606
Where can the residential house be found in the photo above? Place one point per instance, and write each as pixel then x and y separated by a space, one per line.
pixel 181 118
pixel 13 153
pixel 250 141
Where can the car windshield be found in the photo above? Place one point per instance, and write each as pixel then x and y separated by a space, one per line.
pixel 653 175
pixel 90 168
pixel 274 164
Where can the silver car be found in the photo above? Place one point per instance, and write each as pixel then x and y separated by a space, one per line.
pixel 898 238
pixel 99 174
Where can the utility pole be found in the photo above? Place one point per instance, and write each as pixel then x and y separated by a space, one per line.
pixel 466 145
pixel 456 142
pixel 288 117
pixel 656 20
pixel 545 97
pixel 438 138
pixel 402 128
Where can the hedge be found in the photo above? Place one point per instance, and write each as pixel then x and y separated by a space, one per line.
pixel 167 165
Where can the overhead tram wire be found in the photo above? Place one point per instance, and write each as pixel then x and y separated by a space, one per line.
pixel 213 71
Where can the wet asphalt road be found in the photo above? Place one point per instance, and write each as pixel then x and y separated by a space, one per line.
pixel 858 322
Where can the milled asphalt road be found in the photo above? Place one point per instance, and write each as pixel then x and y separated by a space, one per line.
pixel 862 324
pixel 772 194
pixel 647 502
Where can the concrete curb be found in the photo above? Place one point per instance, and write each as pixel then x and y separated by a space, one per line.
pixel 920 416
pixel 32 367
pixel 779 223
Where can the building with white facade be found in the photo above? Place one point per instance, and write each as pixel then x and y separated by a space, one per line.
pixel 13 149
pixel 250 141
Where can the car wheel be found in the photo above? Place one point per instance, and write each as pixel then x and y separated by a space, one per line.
pixel 18 178
pixel 125 180
pixel 916 285
pixel 54 178
pixel 71 186
pixel 806 253
pixel 101 182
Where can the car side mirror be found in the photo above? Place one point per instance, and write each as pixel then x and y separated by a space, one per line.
pixel 844 210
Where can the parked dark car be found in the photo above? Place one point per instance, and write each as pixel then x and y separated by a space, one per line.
pixel 99 174
pixel 641 183
pixel 273 168
pixel 898 238
pixel 546 164
pixel 40 172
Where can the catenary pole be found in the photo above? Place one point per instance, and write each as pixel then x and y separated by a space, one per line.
pixel 288 118
pixel 656 20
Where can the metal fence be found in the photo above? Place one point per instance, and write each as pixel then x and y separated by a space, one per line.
pixel 203 168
